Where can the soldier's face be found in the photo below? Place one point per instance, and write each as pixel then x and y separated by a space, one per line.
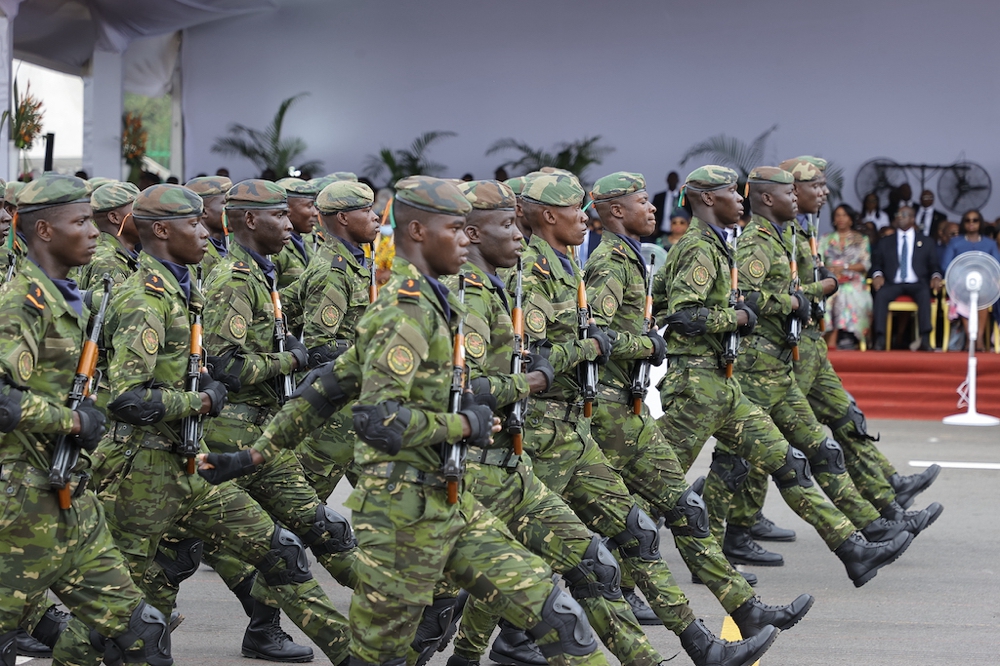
pixel 272 230
pixel 571 223
pixel 728 205
pixel 639 214
pixel 188 240
pixel 785 202
pixel 809 196
pixel 73 234
pixel 444 244
pixel 302 214
pixel 500 239
pixel 212 217
pixel 362 225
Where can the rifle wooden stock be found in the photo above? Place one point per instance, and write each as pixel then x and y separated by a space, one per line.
pixel 372 284
pixel 640 375
pixel 191 425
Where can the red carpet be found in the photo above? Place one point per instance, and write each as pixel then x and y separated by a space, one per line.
pixel 915 385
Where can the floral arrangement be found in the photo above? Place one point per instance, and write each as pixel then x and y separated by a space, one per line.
pixel 27 119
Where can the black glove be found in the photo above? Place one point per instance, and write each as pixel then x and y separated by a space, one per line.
pixel 804 311
pixel 604 341
pixel 381 426
pixel 690 322
pixel 134 407
pixel 540 363
pixel 480 423
pixel 825 274
pixel 314 374
pixel 219 368
pixel 480 387
pixel 659 348
pixel 227 466
pixel 322 354
pixel 752 300
pixel 298 350
pixel 747 328
pixel 470 400
pixel 216 391
pixel 91 425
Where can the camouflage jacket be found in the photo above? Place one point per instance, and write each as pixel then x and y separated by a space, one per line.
pixel 239 322
pixel 111 257
pixel 13 255
pixel 550 315
pixel 616 287
pixel 329 298
pixel 408 343
pixel 764 267
pixel 41 338
pixel 149 331
pixel 211 258
pixel 290 262
pixel 696 275
pixel 803 254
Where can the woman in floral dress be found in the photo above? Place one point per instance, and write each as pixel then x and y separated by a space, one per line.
pixel 847 254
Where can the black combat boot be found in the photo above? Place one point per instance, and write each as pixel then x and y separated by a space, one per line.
pixel 765 530
pixel 908 487
pixel 753 616
pixel 50 626
pixel 749 576
pixel 434 625
pixel 458 660
pixel 863 559
pixel 707 650
pixel 456 618
pixel 739 548
pixel 8 648
pixel 264 638
pixel 884 529
pixel 643 613
pixel 513 647
pixel 29 646
pixel 916 521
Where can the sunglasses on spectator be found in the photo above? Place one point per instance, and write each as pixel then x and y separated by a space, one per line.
pixel 972 219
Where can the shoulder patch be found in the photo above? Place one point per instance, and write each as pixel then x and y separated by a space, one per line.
pixel 534 319
pixel 756 268
pixel 541 267
pixel 35 299
pixel 609 305
pixel 150 341
pixel 238 326
pixel 475 345
pixel 700 276
pixel 408 291
pixel 400 359
pixel 25 364
pixel 330 316
pixel 154 285
pixel 620 251
pixel 339 262
pixel 472 281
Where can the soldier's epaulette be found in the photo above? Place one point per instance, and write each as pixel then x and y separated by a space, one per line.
pixel 472 281
pixel 339 262
pixel 541 268
pixel 154 285
pixel 241 269
pixel 34 301
pixel 409 291
pixel 620 251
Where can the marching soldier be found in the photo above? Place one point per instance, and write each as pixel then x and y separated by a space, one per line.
pixel 295 256
pixel 212 190
pixel 116 253
pixel 48 544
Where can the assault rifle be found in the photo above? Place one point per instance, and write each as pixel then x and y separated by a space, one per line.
pixel 285 384
pixel 640 375
pixel 589 367
pixel 731 341
pixel 515 421
pixel 372 284
pixel 819 310
pixel 794 326
pixel 454 454
pixel 191 425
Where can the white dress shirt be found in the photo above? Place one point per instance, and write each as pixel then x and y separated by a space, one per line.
pixel 925 216
pixel 877 217
pixel 669 203
pixel 905 261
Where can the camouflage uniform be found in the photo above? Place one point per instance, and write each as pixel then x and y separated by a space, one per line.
pixel 111 257
pixel 208 187
pixel 69 551
pixel 699 401
pixel 616 282
pixel 295 257
pixel 16 248
pixel 409 536
pixel 766 375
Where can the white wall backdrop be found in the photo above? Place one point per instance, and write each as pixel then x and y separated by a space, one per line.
pixel 848 80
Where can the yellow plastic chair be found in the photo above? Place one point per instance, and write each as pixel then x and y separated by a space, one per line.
pixel 906 304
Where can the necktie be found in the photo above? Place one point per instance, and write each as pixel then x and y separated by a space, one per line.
pixel 904 261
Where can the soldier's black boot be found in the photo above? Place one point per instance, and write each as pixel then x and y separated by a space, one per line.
pixel 908 487
pixel 434 625
pixel 863 559
pixel 749 576
pixel 264 638
pixel 458 660
pixel 765 530
pixel 456 619
pixel 53 622
pixel 740 548
pixel 29 646
pixel 915 521
pixel 643 613
pixel 513 647
pixel 753 616
pixel 8 648
pixel 884 529
pixel 707 650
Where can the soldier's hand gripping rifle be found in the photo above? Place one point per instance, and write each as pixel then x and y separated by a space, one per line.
pixel 285 383
pixel 819 309
pixel 731 342
pixel 518 361
pixel 640 375
pixel 67 448
pixel 11 267
pixel 584 320
pixel 793 331
pixel 191 425
pixel 454 454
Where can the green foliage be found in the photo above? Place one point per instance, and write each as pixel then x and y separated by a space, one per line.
pixel 266 148
pixel 407 162
pixel 575 156
pixel 157 121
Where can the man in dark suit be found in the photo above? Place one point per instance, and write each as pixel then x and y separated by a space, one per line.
pixel 928 217
pixel 899 197
pixel 904 263
pixel 664 202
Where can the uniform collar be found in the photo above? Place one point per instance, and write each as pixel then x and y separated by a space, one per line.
pixel 219 245
pixel 58 293
pixel 556 265
pixel 266 266
pixel 356 252
pixel 176 278
pixel 497 285
pixel 430 288
pixel 299 246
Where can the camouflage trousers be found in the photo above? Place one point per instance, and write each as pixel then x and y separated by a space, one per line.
pixel 327 455
pixel 539 519
pixel 70 552
pixel 637 450
pixel 699 402
pixel 409 539
pixel 569 462
pixel 770 383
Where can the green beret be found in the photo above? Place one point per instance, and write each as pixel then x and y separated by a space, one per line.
pixel 818 162
pixel 296 187
pixel 342 175
pixel 770 174
pixel 10 195
pixel 167 202
pixel 52 190
pixel 97 181
pixel 112 195
pixel 561 172
pixel 516 184
pixel 209 186
pixel 617 185
pixel 488 195
pixel 432 194
pixel 553 189
pixel 256 194
pixel 710 177
pixel 344 195
pixel 802 170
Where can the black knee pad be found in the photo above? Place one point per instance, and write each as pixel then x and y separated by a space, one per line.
pixel 639 526
pixel 732 469
pixel 856 417
pixel 597 559
pixel 8 648
pixel 829 459
pixel 692 507
pixel 331 533
pixel 798 466
pixel 565 616
pixel 287 548
pixel 146 624
pixel 185 562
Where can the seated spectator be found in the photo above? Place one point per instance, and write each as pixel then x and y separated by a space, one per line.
pixel 870 212
pixel 680 220
pixel 847 254
pixel 929 218
pixel 946 232
pixel 904 263
pixel 970 239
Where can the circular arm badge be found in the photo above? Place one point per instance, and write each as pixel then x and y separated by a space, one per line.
pixel 400 360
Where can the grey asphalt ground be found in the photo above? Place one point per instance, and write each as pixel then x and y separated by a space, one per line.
pixel 938 604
